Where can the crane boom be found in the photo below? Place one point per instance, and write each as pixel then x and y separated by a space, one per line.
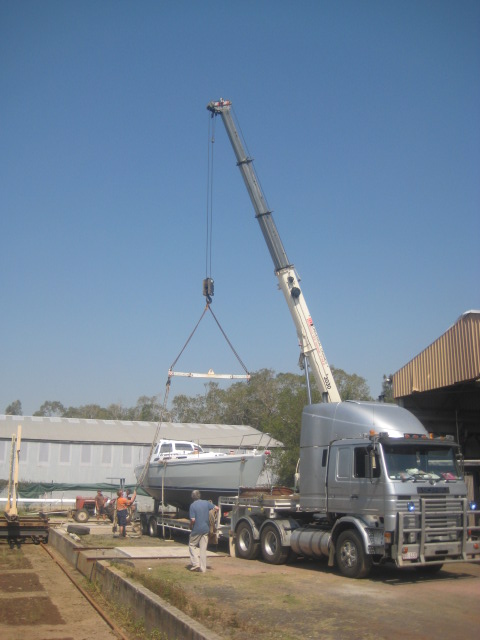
pixel 310 345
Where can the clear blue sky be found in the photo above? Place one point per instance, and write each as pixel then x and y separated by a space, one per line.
pixel 364 122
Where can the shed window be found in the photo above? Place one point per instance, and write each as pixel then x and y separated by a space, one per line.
pixel 107 454
pixel 23 452
pixel 127 455
pixel 64 455
pixel 44 452
pixel 86 456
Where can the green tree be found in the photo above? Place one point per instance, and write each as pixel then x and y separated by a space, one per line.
pixel 351 386
pixel 51 408
pixel 14 409
pixel 89 411
pixel 148 409
pixel 118 412
pixel 387 389
pixel 186 409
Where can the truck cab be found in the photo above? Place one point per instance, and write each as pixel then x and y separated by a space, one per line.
pixel 386 486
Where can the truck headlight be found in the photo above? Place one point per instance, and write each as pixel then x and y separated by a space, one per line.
pixel 472 505
pixel 411 506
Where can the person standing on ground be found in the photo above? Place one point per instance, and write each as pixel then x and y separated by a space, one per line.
pixel 100 505
pixel 200 526
pixel 122 510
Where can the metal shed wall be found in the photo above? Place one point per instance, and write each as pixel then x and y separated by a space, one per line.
pixel 87 451
pixel 451 359
pixel 84 430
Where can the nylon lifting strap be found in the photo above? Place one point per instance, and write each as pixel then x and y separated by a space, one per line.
pixel 210 374
pixel 172 373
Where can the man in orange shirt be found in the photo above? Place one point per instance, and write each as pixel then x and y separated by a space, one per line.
pixel 122 510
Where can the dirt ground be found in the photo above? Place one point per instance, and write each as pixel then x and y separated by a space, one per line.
pixel 241 599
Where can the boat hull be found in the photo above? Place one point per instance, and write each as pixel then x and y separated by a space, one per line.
pixel 173 481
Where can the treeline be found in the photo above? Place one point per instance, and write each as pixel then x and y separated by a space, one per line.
pixel 270 402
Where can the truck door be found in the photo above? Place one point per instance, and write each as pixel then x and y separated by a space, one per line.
pixel 367 489
pixel 351 489
pixel 339 479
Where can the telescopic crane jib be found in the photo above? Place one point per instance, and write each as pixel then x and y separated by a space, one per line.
pixel 310 346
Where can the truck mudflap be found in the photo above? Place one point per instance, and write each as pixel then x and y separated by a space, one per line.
pixel 436 531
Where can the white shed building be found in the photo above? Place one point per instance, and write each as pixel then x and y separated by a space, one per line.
pixel 88 453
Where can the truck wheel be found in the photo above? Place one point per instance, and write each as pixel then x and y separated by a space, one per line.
pixel 246 546
pixel 82 515
pixel 272 550
pixel 152 527
pixel 352 560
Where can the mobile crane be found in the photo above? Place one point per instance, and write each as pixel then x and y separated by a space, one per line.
pixel 311 350
pixel 374 486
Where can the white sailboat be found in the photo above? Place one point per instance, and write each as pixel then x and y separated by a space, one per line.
pixel 177 467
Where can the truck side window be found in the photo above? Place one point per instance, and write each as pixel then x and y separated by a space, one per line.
pixel 344 463
pixel 324 457
pixel 360 466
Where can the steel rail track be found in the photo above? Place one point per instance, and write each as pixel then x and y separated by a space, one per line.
pixel 115 628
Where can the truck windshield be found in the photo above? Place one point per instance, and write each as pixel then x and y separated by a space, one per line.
pixel 420 462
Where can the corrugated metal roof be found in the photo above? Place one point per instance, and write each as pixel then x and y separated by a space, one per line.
pixel 130 432
pixel 451 359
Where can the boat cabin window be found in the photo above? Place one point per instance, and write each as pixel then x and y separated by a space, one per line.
pixel 186 447
pixel 166 447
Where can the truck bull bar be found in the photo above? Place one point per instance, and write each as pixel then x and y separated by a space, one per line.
pixel 437 531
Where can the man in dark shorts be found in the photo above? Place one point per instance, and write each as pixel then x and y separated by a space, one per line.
pixel 122 510
pixel 100 505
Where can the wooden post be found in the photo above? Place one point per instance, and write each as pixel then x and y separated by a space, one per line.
pixel 11 507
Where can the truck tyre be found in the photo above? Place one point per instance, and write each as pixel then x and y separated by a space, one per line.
pixel 81 515
pixel 110 511
pixel 152 527
pixel 246 546
pixel 272 550
pixel 78 529
pixel 352 560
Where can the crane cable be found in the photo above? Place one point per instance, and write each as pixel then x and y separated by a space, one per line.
pixel 141 478
pixel 208 292
pixel 208 271
pixel 209 207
